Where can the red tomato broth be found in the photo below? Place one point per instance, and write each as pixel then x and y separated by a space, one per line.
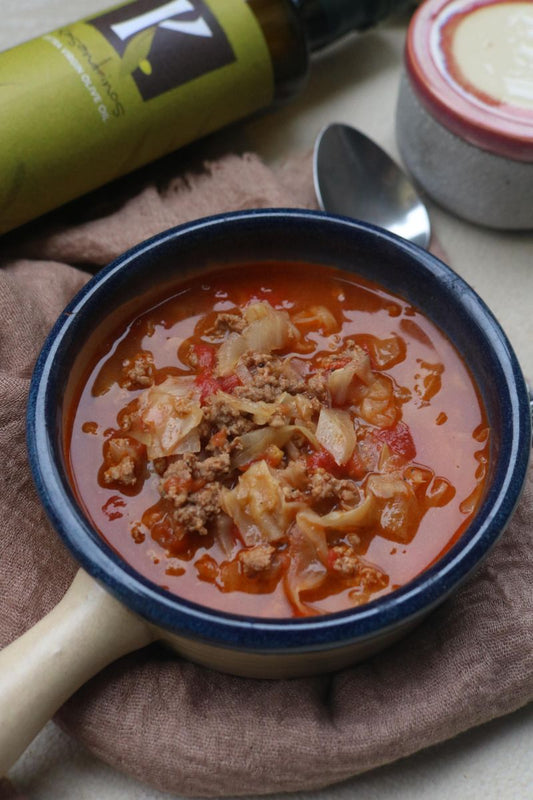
pixel 440 410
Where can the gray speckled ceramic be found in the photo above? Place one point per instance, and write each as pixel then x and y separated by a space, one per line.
pixel 480 186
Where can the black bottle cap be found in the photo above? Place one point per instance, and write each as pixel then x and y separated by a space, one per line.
pixel 328 20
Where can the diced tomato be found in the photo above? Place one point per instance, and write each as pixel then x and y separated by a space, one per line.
pixel 355 467
pixel 219 438
pixel 399 439
pixel 205 354
pixel 322 459
pixel 229 383
pixel 332 557
pixel 207 385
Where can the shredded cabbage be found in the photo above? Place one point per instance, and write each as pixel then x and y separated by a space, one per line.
pixel 267 330
pixel 167 418
pixel 308 552
pixel 255 443
pixel 397 506
pixel 336 433
pixel 357 517
pixel 258 507
pixel 318 317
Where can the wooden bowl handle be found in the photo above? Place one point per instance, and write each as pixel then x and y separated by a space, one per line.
pixel 39 671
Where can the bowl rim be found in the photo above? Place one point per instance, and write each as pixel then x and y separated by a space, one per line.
pixel 274 635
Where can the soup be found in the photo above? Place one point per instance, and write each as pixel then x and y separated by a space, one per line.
pixel 279 440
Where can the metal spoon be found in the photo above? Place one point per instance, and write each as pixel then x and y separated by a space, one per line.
pixel 354 177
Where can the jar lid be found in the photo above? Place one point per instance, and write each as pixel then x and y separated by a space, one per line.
pixel 471 65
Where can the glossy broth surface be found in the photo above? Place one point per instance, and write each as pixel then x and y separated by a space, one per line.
pixel 431 442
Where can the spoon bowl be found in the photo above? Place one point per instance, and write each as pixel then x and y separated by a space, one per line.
pixel 354 177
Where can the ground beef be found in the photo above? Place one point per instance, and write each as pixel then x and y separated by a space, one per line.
pixel 218 442
pixel 123 461
pixel 123 472
pixel 271 376
pixel 317 385
pixel 324 486
pixel 193 485
pixel 225 322
pixel 221 414
pixel 138 372
pixel 201 507
pixel 351 566
pixel 185 473
pixel 346 562
pixel 256 559
pixel 350 350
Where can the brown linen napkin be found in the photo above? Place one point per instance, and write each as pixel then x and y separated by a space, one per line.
pixel 189 730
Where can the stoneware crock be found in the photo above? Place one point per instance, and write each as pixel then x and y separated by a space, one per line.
pixel 110 610
pixel 464 117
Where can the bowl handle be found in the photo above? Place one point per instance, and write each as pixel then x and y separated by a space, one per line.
pixel 39 671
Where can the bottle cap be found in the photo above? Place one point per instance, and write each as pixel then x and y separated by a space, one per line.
pixel 470 63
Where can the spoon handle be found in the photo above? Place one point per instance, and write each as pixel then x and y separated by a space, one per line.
pixel 39 671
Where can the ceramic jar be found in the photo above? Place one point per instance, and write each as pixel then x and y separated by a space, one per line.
pixel 464 117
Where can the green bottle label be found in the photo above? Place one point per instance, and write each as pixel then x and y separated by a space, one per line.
pixel 96 99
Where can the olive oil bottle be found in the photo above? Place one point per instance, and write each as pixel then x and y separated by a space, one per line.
pixel 95 99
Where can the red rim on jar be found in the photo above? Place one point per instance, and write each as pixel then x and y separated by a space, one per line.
pixel 489 101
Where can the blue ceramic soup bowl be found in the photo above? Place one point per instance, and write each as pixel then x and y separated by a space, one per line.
pixel 281 647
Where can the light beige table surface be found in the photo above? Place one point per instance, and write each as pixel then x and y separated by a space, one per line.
pixel 355 82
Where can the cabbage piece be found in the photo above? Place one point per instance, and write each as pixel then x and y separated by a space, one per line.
pixel 258 507
pixel 260 411
pixel 254 444
pixel 308 552
pixel 316 317
pixel 298 407
pixel 336 433
pixel 222 525
pixel 267 330
pixel 373 395
pixel 286 406
pixel 357 517
pixel 386 352
pixel 397 507
pixel 340 383
pixel 167 417
pixel 340 380
pixel 378 406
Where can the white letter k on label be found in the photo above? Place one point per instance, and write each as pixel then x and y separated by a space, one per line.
pixel 161 16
